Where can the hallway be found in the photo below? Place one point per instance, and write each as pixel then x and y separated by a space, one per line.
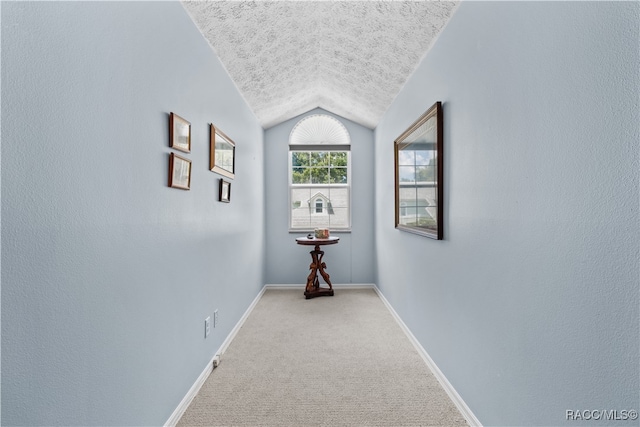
pixel 529 306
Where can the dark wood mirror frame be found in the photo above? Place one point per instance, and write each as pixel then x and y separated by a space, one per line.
pixel 418 176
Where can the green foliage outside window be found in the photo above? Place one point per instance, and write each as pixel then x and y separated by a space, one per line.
pixel 319 167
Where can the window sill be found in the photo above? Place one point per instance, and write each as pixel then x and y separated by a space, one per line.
pixel 307 231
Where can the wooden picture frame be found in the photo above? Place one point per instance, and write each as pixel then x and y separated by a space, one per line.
pixel 225 191
pixel 222 156
pixel 179 172
pixel 179 133
pixel 418 176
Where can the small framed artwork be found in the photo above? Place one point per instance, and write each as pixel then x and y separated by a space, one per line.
pixel 179 172
pixel 179 133
pixel 222 153
pixel 225 191
pixel 418 176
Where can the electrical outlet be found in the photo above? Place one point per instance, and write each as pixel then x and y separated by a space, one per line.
pixel 207 326
pixel 215 318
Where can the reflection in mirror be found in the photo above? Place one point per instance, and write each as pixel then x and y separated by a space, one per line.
pixel 418 167
pixel 224 153
pixel 222 157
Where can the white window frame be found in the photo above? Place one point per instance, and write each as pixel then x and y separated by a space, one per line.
pixel 319 133
pixel 333 148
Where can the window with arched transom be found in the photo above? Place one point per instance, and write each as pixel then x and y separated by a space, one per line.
pixel 319 174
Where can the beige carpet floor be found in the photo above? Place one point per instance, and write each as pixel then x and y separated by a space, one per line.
pixel 328 361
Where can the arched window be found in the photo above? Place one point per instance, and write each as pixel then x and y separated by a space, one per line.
pixel 320 164
pixel 319 129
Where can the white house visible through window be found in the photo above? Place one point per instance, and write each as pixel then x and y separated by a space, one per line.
pixel 319 175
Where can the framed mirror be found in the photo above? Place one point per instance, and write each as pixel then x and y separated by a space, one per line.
pixel 418 176
pixel 222 153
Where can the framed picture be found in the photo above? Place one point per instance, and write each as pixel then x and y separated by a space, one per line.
pixel 225 191
pixel 179 172
pixel 179 133
pixel 418 176
pixel 222 153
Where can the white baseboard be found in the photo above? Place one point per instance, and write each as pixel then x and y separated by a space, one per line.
pixel 234 331
pixel 446 385
pixel 191 394
pixel 195 388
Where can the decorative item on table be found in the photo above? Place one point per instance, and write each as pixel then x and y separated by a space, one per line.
pixel 322 233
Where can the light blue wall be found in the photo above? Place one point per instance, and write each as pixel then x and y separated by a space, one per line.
pixel 530 304
pixel 108 274
pixel 351 260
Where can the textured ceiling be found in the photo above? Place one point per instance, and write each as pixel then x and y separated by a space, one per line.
pixel 348 57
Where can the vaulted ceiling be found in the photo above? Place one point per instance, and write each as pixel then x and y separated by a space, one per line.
pixel 348 57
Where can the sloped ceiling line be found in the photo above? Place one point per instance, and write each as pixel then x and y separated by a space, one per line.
pixel 348 57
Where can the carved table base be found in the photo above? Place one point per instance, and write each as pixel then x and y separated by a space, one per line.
pixel 313 288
